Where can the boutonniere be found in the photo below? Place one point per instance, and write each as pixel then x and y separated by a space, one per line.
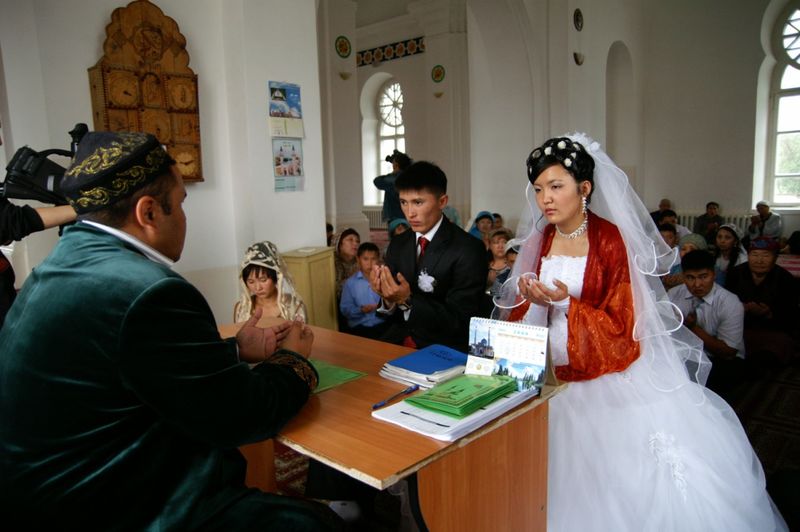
pixel 426 282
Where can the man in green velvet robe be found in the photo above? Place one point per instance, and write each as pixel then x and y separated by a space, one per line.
pixel 120 406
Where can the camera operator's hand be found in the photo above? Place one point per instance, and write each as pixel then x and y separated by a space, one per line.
pixel 53 216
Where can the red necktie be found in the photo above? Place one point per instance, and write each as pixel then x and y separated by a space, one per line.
pixel 423 243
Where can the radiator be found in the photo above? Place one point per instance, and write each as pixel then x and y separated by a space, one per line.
pixel 742 221
pixel 373 214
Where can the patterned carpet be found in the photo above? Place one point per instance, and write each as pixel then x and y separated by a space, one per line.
pixel 769 409
pixel 291 471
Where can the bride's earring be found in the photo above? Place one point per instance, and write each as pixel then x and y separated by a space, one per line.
pixel 583 204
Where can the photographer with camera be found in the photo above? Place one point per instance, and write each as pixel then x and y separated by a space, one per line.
pixel 391 201
pixel 31 175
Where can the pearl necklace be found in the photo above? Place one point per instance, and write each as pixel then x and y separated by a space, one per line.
pixel 577 232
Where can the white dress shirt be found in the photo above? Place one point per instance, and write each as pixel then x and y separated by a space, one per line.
pixel 719 313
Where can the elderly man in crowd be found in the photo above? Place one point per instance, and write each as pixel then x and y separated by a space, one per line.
pixel 765 223
pixel 770 297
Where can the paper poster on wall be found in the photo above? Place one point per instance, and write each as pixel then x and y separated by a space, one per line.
pixel 287 156
pixel 285 110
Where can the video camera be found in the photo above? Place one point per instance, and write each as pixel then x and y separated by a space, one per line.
pixel 32 176
pixel 400 158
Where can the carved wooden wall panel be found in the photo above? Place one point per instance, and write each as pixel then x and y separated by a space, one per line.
pixel 143 83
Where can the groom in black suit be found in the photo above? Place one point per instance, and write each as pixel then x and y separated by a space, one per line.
pixel 435 275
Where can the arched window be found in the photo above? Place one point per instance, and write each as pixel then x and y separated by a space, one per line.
pixel 783 157
pixel 391 131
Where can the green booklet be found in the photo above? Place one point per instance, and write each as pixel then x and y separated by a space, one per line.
pixel 331 376
pixel 461 396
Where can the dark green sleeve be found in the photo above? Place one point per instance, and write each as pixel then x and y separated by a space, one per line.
pixel 173 359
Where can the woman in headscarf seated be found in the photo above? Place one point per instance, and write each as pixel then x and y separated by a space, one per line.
pixel 729 251
pixel 482 226
pixel 265 282
pixel 345 248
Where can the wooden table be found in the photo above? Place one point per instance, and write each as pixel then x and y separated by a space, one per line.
pixel 492 479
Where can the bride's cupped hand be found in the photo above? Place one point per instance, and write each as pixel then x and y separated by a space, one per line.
pixel 536 292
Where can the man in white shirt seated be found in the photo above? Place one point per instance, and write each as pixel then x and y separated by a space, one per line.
pixel 714 315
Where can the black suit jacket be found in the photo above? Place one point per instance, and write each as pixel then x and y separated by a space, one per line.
pixel 457 262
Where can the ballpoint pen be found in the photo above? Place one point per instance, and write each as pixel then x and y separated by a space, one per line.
pixel 388 400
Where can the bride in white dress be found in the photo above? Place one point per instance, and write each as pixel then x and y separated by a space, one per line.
pixel 636 441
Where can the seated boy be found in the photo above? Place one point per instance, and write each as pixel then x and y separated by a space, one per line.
pixel 359 302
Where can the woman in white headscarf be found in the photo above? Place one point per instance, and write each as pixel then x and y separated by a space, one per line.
pixel 635 442
pixel 265 282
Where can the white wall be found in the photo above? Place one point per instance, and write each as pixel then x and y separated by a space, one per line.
pixel 702 64
pixel 501 108
pixel 235 47
pixel 685 107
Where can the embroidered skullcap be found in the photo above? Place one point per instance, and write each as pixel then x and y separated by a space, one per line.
pixel 762 202
pixel 108 167
pixel 765 243
pixel 698 241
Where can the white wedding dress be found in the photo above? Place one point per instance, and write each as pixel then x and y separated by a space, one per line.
pixel 625 454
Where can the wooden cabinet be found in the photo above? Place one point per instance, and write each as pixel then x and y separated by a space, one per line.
pixel 315 280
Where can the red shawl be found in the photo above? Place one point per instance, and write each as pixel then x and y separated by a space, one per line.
pixel 600 324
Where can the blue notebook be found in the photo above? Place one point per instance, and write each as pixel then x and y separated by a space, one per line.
pixel 430 360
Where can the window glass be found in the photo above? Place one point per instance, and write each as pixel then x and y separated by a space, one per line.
pixel 791 35
pixel 782 179
pixel 791 78
pixel 787 154
pixel 789 113
pixel 391 129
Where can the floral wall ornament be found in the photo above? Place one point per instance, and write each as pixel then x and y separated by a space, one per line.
pixel 438 73
pixel 342 46
pixel 391 51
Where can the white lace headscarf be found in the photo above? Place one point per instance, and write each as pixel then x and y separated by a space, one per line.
pixel 266 255
pixel 669 349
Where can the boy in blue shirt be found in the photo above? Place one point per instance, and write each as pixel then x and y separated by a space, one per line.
pixel 359 301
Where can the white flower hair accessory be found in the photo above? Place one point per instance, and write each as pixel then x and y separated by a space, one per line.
pixel 426 282
pixel 548 150
pixel 562 145
pixel 567 162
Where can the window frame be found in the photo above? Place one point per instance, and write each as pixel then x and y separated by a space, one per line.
pixel 380 137
pixel 776 93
